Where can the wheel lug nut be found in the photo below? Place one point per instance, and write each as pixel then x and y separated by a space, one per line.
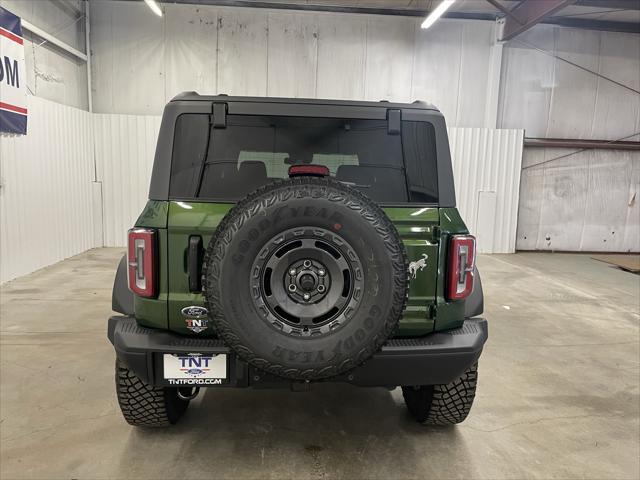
pixel 292 272
pixel 292 288
pixel 321 272
pixel 306 296
pixel 321 288
pixel 307 263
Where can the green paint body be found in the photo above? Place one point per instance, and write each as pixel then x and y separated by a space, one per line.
pixel 424 231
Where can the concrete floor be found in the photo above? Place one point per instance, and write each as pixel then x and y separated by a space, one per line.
pixel 558 395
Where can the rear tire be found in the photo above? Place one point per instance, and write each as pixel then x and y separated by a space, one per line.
pixel 143 405
pixel 443 404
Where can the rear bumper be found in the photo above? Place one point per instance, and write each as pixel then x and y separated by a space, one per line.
pixel 437 358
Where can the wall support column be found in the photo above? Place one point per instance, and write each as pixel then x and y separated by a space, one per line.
pixel 493 80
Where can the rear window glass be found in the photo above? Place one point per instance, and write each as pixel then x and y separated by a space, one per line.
pixel 225 164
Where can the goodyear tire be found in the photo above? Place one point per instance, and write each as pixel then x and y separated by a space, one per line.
pixel 144 405
pixel 305 278
pixel 443 404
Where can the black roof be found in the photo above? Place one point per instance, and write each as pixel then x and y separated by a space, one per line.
pixel 195 96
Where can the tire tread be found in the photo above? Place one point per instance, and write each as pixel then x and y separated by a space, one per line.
pixel 447 404
pixel 143 405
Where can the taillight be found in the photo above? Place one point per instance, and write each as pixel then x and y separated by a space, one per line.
pixel 141 258
pixel 310 170
pixel 462 259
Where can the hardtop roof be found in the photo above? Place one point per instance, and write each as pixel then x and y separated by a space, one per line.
pixel 195 96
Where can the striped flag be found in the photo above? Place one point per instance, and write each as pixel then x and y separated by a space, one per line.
pixel 13 97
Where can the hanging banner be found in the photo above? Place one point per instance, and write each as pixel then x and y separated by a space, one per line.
pixel 13 87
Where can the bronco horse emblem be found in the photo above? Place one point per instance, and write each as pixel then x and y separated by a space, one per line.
pixel 418 265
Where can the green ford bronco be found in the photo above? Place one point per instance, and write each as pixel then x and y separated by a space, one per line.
pixel 287 242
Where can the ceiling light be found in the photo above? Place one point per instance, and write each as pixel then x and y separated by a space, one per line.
pixel 437 13
pixel 155 8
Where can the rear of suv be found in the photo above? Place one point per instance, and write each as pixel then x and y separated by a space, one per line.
pixel 287 242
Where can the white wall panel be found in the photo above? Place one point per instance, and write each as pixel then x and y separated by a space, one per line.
pixel 293 55
pixel 550 98
pixel 389 58
pixel 436 69
pixel 341 56
pixel 195 42
pixel 574 93
pixel 476 43
pixel 128 58
pixel 527 82
pixel 451 69
pixel 242 52
pixel 46 211
pixel 55 75
pixel 124 149
pixel 583 202
pixel 141 61
pixel 617 111
pixel 486 169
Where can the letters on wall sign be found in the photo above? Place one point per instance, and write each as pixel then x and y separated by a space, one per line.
pixel 13 98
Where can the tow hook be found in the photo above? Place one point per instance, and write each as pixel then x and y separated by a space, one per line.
pixel 188 393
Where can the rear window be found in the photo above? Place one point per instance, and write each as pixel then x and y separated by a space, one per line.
pixel 225 164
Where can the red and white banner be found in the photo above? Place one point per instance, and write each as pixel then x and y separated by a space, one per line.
pixel 13 81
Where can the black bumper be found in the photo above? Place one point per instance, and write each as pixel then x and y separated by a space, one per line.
pixel 437 358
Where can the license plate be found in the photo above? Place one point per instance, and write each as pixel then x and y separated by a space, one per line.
pixel 195 369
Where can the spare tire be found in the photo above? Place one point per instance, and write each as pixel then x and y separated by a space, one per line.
pixel 305 278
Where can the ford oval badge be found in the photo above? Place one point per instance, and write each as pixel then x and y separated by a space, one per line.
pixel 194 311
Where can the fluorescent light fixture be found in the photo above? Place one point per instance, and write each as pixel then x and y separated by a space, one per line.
pixel 155 8
pixel 437 13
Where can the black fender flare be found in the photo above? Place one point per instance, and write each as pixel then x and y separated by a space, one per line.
pixel 474 305
pixel 122 297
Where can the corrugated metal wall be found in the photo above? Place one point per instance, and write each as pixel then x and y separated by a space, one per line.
pixel 125 145
pixel 586 201
pixel 46 210
pixel 486 167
